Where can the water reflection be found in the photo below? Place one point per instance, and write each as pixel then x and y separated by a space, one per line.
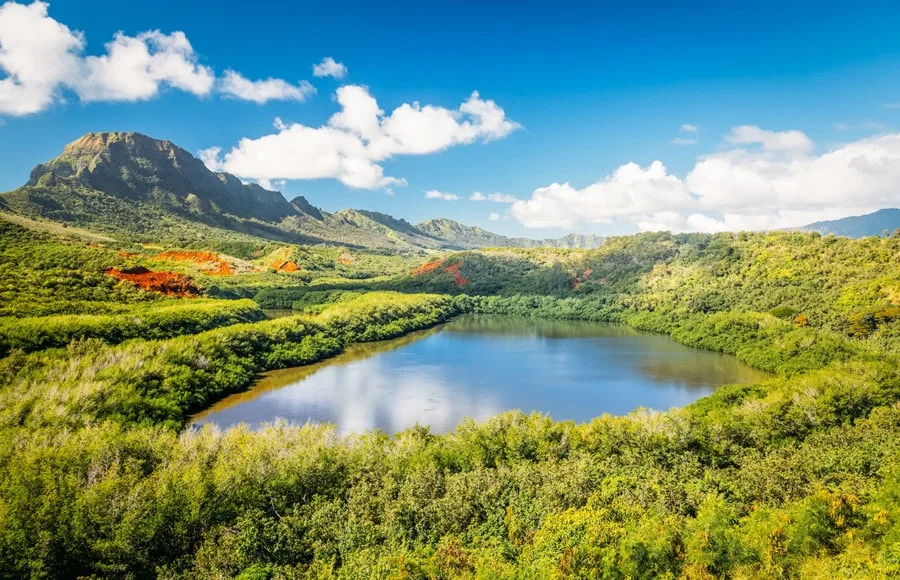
pixel 477 366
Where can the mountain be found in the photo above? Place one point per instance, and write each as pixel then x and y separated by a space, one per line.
pixel 475 237
pixel 861 226
pixel 140 188
pixel 130 184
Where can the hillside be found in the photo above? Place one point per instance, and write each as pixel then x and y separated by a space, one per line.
pixel 475 237
pixel 797 474
pixel 144 189
pixel 860 226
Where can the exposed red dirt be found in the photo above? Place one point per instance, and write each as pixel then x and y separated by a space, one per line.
pixel 211 263
pixel 457 277
pixel 345 259
pixel 427 267
pixel 576 281
pixel 167 283
pixel 285 266
pixel 125 254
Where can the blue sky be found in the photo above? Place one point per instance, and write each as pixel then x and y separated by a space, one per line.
pixel 791 105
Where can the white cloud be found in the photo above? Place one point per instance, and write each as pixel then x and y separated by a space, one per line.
pixel 329 68
pixel 276 185
pixel 891 105
pixel 38 54
pixel 354 142
pixel 782 184
pixel 135 68
pixel 42 58
pixel 435 194
pixel 494 216
pixel 771 141
pixel 210 157
pixel 495 197
pixel 235 85
pixel 687 128
pixel 631 191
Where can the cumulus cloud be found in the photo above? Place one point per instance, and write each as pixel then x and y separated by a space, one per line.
pixel 42 58
pixel 629 192
pixel 683 141
pixel 37 54
pixel 494 216
pixel 435 194
pixel 135 67
pixel 776 183
pixel 356 139
pixel 688 128
pixel 495 197
pixel 271 89
pixel 330 68
pixel 771 141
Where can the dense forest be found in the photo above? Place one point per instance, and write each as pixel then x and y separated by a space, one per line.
pixel 108 345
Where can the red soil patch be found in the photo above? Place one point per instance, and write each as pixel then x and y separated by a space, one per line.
pixel 427 267
pixel 167 283
pixel 285 266
pixel 575 281
pixel 457 277
pixel 345 259
pixel 125 254
pixel 213 263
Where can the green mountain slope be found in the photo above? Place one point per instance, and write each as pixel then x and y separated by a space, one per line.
pixel 145 189
pixel 861 226
pixel 475 237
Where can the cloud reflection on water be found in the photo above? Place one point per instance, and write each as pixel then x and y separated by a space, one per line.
pixel 478 366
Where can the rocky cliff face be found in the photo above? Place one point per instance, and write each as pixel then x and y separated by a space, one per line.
pixel 135 167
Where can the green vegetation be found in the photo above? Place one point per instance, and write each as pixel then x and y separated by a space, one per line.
pixel 131 186
pixel 797 477
pixel 145 321
pixel 160 382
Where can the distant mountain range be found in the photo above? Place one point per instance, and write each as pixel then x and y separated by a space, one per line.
pixel 861 226
pixel 148 189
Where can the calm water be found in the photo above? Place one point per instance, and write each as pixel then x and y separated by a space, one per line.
pixel 478 366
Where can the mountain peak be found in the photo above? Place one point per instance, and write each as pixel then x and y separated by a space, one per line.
pixel 138 168
pixel 97 142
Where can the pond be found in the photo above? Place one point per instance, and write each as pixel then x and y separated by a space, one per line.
pixel 477 366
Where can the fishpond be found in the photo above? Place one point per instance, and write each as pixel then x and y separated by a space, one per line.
pixel 477 366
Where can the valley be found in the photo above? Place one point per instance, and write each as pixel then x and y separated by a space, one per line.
pixel 751 425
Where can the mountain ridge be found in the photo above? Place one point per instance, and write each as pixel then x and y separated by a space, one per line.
pixel 859 226
pixel 141 187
